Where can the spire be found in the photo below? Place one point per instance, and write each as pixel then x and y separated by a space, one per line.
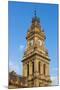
pixel 35 18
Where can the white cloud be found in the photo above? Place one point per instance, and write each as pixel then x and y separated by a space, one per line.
pixel 21 47
pixel 21 51
pixel 55 69
pixel 13 66
pixel 54 80
pixel 55 76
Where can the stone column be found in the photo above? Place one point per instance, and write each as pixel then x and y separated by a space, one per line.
pixel 36 67
pixel 47 69
pixel 41 68
pixel 36 83
pixel 25 70
pixel 30 68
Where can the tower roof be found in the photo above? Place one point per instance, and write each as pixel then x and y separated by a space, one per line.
pixel 35 27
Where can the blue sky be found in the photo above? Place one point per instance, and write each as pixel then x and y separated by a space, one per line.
pixel 20 16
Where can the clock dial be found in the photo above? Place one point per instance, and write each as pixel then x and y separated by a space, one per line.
pixel 31 43
pixel 40 42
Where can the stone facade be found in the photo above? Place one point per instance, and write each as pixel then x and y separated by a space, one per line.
pixel 16 81
pixel 36 60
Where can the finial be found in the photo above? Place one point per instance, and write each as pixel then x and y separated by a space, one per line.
pixel 35 18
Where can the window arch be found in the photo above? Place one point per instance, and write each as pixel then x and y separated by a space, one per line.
pixel 32 67
pixel 39 65
pixel 44 69
pixel 27 69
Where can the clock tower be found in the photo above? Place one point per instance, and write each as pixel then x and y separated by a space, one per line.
pixel 36 60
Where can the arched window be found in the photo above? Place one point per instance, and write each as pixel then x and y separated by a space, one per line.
pixel 32 67
pixel 27 69
pixel 44 69
pixel 39 65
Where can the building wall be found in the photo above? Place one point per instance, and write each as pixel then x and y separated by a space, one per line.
pixel 35 77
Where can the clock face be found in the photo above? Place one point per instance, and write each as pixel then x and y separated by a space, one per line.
pixel 31 43
pixel 40 42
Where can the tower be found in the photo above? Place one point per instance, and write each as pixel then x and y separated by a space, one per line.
pixel 36 60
